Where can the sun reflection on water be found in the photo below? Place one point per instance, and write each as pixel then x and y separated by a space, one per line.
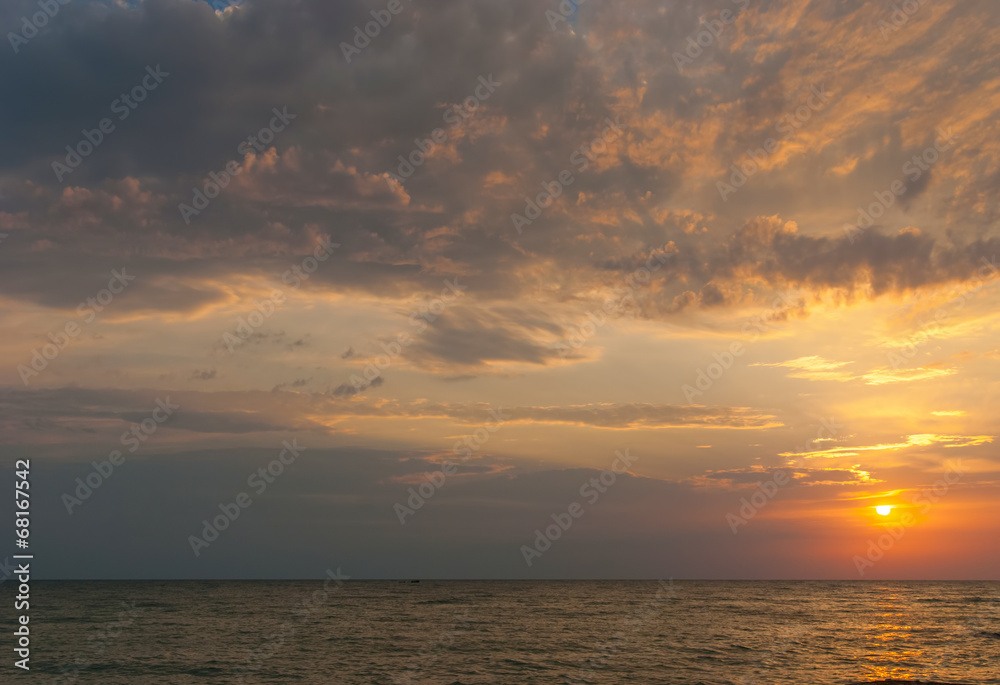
pixel 888 641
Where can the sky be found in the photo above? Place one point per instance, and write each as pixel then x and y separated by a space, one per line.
pixel 442 289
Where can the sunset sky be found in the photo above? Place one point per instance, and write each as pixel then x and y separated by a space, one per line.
pixel 772 254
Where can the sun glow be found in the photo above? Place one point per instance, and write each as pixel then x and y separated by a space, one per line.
pixel 883 509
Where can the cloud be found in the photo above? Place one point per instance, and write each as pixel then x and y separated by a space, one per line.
pixel 813 368
pixel 920 440
pixel 751 477
pixel 297 383
pixel 453 214
pixel 478 338
pixel 649 200
pixel 816 368
pixel 345 390
pixel 636 416
pixel 245 411
pixel 883 376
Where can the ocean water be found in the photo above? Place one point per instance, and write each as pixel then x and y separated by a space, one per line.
pixel 524 632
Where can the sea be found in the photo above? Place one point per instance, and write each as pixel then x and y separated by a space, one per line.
pixel 523 632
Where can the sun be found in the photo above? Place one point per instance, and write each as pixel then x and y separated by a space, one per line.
pixel 883 509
